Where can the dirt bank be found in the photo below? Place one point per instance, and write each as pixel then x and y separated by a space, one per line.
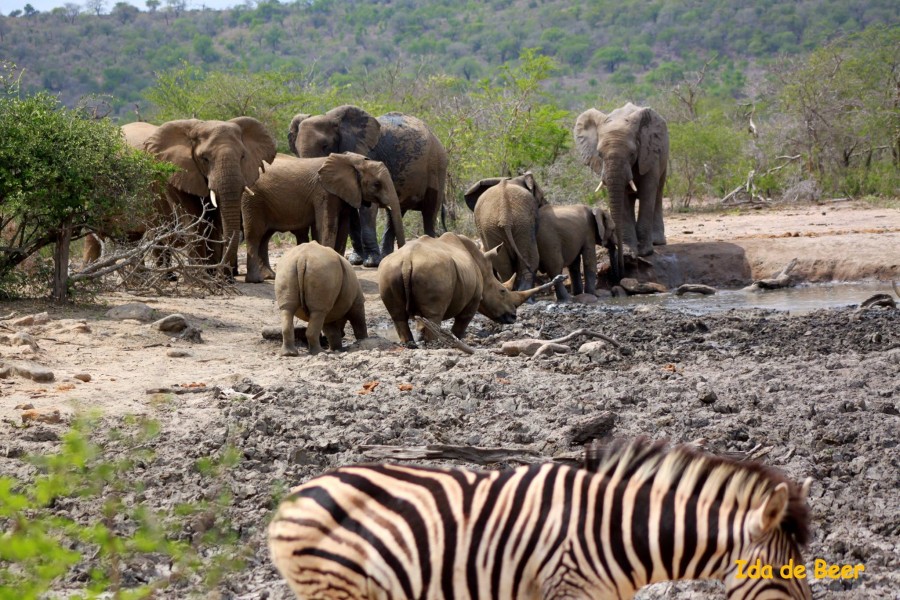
pixel 816 395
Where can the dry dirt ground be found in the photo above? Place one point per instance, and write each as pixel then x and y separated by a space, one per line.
pixel 815 394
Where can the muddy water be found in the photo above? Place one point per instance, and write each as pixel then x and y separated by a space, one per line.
pixel 796 300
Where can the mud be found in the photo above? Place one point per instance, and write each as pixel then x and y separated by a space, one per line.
pixel 816 395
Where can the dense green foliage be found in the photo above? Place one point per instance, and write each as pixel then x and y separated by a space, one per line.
pixel 60 171
pixel 43 544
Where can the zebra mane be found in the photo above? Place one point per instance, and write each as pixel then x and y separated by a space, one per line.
pixel 643 459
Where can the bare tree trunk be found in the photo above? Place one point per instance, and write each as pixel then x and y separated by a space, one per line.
pixel 61 262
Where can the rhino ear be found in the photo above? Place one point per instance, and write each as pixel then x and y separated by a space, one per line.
pixel 477 189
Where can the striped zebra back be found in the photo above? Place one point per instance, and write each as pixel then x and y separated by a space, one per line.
pixel 636 514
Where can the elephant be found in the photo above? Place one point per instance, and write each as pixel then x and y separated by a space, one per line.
pixel 629 149
pixel 506 211
pixel 298 194
pixel 567 236
pixel 414 156
pixel 218 159
pixel 318 285
pixel 445 278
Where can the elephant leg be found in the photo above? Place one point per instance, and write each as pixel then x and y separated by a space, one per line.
pixel 288 347
pixel 645 223
pixel 334 333
pixel 255 238
pixel 371 253
pixel 629 228
pixel 314 330
pixel 575 276
pixel 356 256
pixel 265 267
pixel 430 208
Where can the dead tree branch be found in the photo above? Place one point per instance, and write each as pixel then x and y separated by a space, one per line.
pixel 444 336
pixel 782 280
pixel 535 347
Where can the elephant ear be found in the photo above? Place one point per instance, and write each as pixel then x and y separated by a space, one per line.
pixel 606 227
pixel 532 186
pixel 359 130
pixel 653 138
pixel 173 142
pixel 338 175
pixel 294 130
pixel 587 136
pixel 474 193
pixel 259 146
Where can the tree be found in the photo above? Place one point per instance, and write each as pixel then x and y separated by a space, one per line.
pixel 152 5
pixel 71 11
pixel 30 10
pixel 610 57
pixel 125 12
pixel 95 6
pixel 60 172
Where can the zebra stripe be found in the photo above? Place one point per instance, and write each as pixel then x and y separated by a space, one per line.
pixel 637 513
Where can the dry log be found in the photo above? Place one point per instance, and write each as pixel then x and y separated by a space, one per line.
pixel 534 347
pixel 181 390
pixel 782 280
pixel 877 301
pixel 445 336
pixel 694 288
pixel 633 286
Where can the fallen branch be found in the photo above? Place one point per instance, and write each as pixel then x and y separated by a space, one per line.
pixel 782 280
pixel 878 301
pixel 694 288
pixel 180 390
pixel 535 347
pixel 444 336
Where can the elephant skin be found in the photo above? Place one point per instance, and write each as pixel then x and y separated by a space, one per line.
pixel 414 156
pixel 444 278
pixel 629 147
pixel 567 236
pixel 300 194
pixel 318 285
pixel 506 212
pixel 215 157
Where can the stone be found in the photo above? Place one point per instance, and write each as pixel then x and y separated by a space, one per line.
pixel 171 324
pixel 28 370
pixel 24 339
pixel 42 415
pixel 25 321
pixel 26 406
pixel 177 353
pixel 191 334
pixel 134 310
pixel 706 395
pixel 596 349
pixel 374 342
pixel 633 286
pixel 85 377
pixel 591 428
pixel 41 318
pixel 695 288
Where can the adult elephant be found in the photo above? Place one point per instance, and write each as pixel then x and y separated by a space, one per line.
pixel 217 160
pixel 629 149
pixel 299 194
pixel 506 212
pixel 414 156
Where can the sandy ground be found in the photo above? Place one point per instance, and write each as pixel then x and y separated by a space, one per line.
pixel 819 393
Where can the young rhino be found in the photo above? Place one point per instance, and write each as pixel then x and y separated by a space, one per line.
pixel 318 285
pixel 445 278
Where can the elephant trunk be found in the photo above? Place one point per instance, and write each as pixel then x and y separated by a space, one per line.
pixel 229 189
pixel 393 205
pixel 617 208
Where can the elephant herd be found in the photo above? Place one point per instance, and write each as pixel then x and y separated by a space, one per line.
pixel 347 164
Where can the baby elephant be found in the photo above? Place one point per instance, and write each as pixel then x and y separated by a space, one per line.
pixel 318 285
pixel 566 237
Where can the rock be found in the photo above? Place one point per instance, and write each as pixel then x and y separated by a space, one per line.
pixel 618 291
pixel 591 428
pixel 85 377
pixel 586 299
pixel 42 415
pixel 695 288
pixel 374 342
pixel 172 323
pixel 191 334
pixel 596 349
pixel 25 321
pixel 79 328
pixel 177 353
pixel 41 318
pixel 24 339
pixel 633 286
pixel 135 310
pixel 27 370
pixel 706 395
pixel 26 406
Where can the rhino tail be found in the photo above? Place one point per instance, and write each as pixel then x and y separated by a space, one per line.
pixel 301 284
pixel 406 276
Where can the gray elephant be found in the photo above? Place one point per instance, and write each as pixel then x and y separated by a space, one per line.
pixel 415 158
pixel 567 236
pixel 506 212
pixel 300 194
pixel 629 149
pixel 318 285
pixel 218 159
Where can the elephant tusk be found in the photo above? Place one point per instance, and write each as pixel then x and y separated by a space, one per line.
pixel 633 187
pixel 249 191
pixel 600 185
pixel 212 199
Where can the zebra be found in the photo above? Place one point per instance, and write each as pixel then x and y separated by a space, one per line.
pixel 636 513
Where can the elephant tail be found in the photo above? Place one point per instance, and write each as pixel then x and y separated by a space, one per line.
pixel 406 276
pixel 444 217
pixel 301 284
